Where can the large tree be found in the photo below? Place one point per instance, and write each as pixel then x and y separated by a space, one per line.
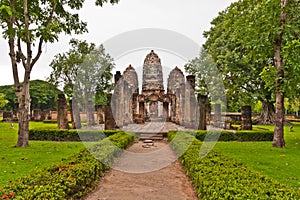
pixel 208 80
pixel 254 43
pixel 83 71
pixel 27 25
pixel 239 68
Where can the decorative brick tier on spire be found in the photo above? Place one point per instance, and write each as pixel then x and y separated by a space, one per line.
pixel 152 73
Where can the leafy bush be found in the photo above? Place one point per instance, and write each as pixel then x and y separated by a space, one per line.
pixel 71 178
pixel 219 177
pixel 69 135
pixel 260 135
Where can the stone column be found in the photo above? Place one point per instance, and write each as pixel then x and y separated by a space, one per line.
pixel 190 103
pixel 110 123
pixel 48 114
pixel 246 118
pixel 62 112
pixel 217 115
pixel 75 114
pixel 182 104
pixel 100 114
pixel 36 115
pixel 202 113
pixel 90 113
pixel 126 104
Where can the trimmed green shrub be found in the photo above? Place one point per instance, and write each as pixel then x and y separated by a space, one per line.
pixel 49 121
pixel 261 135
pixel 72 178
pixel 69 135
pixel 219 177
pixel 255 135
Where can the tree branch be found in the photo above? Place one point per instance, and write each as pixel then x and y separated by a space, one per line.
pixel 38 55
pixel 27 36
pixel 20 54
pixel 11 43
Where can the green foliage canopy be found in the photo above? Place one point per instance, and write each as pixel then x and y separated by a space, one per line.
pixel 3 100
pixel 84 67
pixel 241 41
pixel 43 95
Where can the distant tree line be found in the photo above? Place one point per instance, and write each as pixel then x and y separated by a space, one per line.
pixel 43 96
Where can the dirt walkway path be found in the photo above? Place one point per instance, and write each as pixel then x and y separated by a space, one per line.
pixel 137 175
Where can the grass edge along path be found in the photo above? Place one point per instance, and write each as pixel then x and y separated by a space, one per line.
pixel 219 177
pixel 71 178
pixel 17 162
pixel 276 163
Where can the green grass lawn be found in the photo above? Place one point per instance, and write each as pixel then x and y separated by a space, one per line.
pixel 280 164
pixel 16 162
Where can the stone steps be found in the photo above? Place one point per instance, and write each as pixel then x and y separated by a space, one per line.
pixel 151 136
pixel 148 143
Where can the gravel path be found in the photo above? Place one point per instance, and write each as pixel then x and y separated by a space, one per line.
pixel 145 173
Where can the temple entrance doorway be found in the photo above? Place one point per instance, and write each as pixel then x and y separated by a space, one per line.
pixel 153 109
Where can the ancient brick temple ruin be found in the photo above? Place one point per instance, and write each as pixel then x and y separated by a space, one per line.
pixel 177 105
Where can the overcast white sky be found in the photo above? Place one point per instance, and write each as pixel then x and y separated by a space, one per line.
pixel 188 18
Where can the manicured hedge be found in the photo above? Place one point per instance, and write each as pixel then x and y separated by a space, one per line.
pixel 219 177
pixel 255 135
pixel 72 178
pixel 261 135
pixel 50 121
pixel 69 135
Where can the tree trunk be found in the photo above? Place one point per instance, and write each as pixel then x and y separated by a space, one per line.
pixel 202 112
pixel 23 115
pixel 278 140
pixel 267 114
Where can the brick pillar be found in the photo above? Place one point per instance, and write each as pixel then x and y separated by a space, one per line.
pixel 100 114
pixel 208 113
pixel 182 104
pixel 126 103
pixel 202 113
pixel 190 103
pixel 75 114
pixel 62 112
pixel 246 118
pixel 90 113
pixel 110 123
pixel 217 116
pixel 36 115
